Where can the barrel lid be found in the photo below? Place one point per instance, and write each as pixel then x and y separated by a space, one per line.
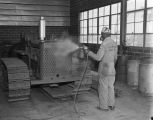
pixel 147 60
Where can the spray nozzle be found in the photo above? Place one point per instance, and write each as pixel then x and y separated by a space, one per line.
pixel 82 53
pixel 85 47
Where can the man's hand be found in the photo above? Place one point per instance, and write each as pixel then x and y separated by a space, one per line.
pixel 86 50
pixel 85 47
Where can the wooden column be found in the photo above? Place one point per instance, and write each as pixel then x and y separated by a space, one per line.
pixel 123 23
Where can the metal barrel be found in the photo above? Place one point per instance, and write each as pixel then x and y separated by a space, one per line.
pixel 121 68
pixel 145 84
pixel 133 72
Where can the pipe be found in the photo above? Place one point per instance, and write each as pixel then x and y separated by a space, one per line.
pixel 76 94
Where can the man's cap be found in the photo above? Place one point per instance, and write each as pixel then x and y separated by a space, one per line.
pixel 106 30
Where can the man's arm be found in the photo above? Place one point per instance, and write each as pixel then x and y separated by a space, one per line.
pixel 99 54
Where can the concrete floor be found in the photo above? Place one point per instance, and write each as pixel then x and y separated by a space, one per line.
pixel 129 106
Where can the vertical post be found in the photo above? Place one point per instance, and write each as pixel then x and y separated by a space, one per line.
pixel 145 23
pixel 123 23
pixel 97 25
pixel 110 17
pixel 42 29
pixel 87 27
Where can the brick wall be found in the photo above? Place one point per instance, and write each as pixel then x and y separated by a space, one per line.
pixel 139 52
pixel 11 34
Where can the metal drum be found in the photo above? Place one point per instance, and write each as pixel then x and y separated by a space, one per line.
pixel 121 68
pixel 133 72
pixel 146 76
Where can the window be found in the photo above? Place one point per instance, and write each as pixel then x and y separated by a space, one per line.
pixel 96 19
pixel 115 22
pixel 149 24
pixel 92 36
pixel 139 23
pixel 135 24
pixel 104 14
pixel 83 27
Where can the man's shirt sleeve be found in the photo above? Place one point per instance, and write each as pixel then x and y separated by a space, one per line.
pixel 99 54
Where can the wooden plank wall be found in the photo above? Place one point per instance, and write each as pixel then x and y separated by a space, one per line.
pixel 28 12
pixel 77 6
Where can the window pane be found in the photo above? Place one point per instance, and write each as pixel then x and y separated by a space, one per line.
pixel 114 8
pixel 139 27
pixel 118 18
pixel 119 7
pixel 130 28
pixel 130 5
pixel 149 3
pixel 130 17
pixel 138 40
pixel 114 19
pixel 150 27
pixel 129 40
pixel 81 39
pixel 100 28
pixel 90 30
pixel 85 15
pixel 95 12
pixel 94 38
pixel 107 10
pixel 90 22
pixel 85 39
pixel 94 30
pixel 99 41
pixel 149 40
pixel 85 31
pixel 140 4
pixel 101 11
pixel 81 23
pixel 81 16
pixel 95 22
pixel 118 39
pixel 139 16
pixel 101 21
pixel 119 29
pixel 81 30
pixel 85 23
pixel 106 21
pixel 90 14
pixel 149 14
pixel 114 29
pixel 114 37
pixel 89 38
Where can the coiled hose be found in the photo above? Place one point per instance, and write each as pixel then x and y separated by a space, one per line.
pixel 77 91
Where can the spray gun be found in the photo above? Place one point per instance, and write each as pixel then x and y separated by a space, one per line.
pixel 83 50
pixel 84 56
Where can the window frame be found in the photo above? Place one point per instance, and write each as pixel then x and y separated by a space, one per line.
pixel 98 17
pixel 144 24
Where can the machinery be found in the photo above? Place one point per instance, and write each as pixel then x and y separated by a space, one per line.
pixel 45 64
pixel 47 67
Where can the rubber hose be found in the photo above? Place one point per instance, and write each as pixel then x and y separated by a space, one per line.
pixel 80 83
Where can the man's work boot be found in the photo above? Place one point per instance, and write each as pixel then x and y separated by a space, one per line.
pixel 101 109
pixel 111 107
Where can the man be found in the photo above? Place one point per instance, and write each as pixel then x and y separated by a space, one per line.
pixel 107 56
